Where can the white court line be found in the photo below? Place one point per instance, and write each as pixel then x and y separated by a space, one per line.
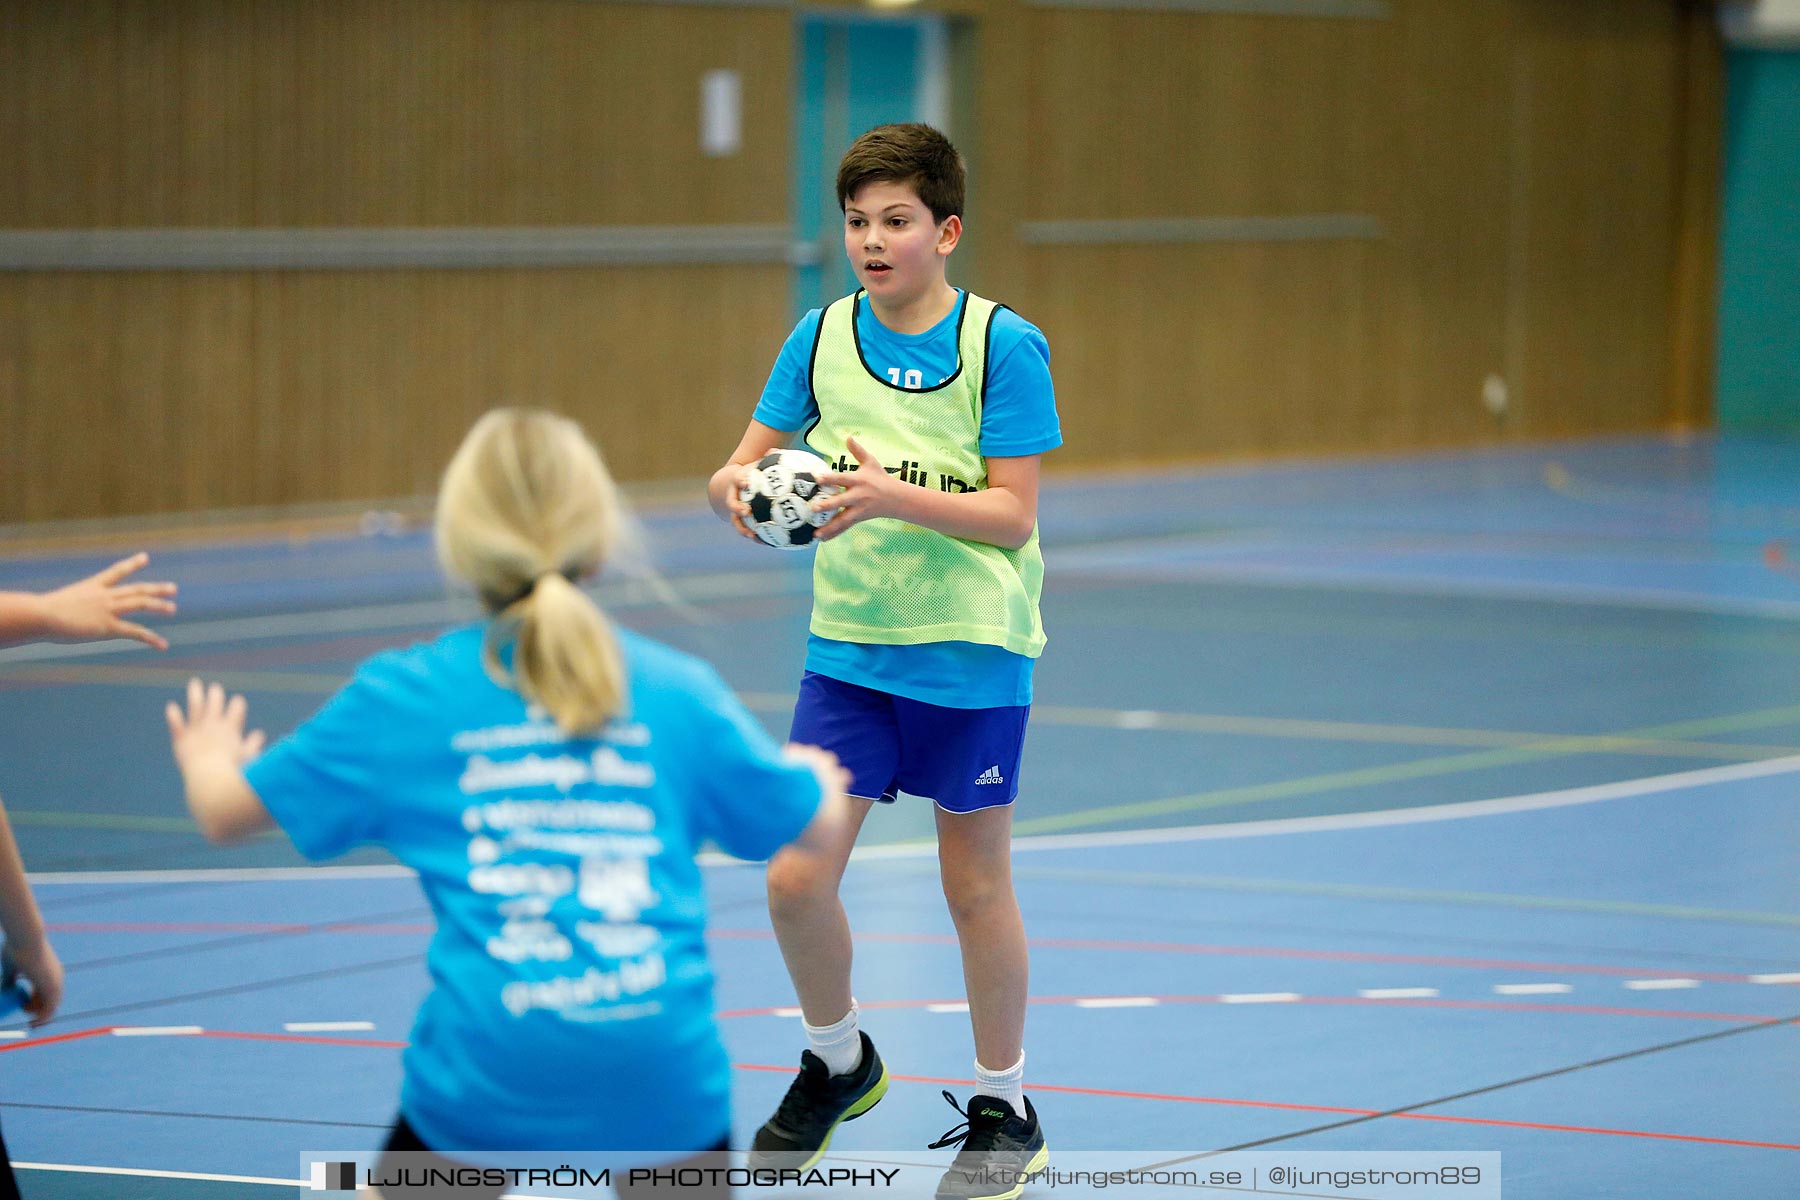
pixel 1563 798
pixel 228 875
pixel 1113 561
pixel 1783 977
pixel 329 1026
pixel 1531 989
pixel 1398 993
pixel 1623 790
pixel 1660 985
pixel 961 1007
pixel 11 1034
pixel 146 1174
pixel 450 610
pixel 1260 998
pixel 157 1030
pixel 1118 1002
pixel 786 1012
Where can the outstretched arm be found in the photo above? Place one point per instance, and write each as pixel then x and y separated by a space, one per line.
pixel 88 609
pixel 26 943
pixel 211 749
pixel 1003 514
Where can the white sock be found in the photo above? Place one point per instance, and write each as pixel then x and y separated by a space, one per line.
pixel 1007 1085
pixel 839 1044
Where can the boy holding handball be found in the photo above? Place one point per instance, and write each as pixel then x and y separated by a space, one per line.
pixel 933 407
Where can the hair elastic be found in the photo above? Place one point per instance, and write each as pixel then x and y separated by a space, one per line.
pixel 568 573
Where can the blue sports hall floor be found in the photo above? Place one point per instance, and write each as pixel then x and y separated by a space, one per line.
pixel 1430 803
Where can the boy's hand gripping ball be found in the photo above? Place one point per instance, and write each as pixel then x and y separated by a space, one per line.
pixel 779 489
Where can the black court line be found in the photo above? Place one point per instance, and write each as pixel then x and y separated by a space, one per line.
pixel 138 858
pixel 115 891
pixel 243 988
pixel 1772 1023
pixel 156 1112
pixel 1409 941
pixel 298 929
pixel 280 981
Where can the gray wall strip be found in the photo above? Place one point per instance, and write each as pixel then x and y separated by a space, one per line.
pixel 1361 10
pixel 1325 227
pixel 370 249
pixel 701 3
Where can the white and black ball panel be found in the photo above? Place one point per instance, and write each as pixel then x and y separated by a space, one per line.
pixel 789 512
pixel 779 494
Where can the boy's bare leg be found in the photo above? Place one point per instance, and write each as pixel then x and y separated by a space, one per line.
pixel 810 923
pixel 975 858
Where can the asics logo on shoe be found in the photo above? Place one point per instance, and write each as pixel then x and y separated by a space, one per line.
pixel 996 1114
pixel 991 775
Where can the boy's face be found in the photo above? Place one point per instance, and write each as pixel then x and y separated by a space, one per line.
pixel 897 249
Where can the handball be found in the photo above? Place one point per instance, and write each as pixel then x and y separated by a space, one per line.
pixel 780 490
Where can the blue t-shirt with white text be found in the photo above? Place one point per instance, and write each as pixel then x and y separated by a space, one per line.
pixel 1018 418
pixel 571 1000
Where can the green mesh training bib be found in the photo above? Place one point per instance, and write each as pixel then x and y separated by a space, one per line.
pixel 890 582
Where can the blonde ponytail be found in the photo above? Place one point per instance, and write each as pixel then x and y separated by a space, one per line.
pixel 566 658
pixel 526 508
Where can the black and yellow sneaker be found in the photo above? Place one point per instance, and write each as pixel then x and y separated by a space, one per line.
pixel 1000 1149
pixel 817 1102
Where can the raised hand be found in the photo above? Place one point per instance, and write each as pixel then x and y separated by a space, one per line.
pixel 94 608
pixel 210 733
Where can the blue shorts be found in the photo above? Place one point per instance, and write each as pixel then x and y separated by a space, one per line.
pixel 964 759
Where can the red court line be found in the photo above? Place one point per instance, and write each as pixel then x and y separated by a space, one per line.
pixel 229 927
pixel 1063 1089
pixel 54 1038
pixel 175 927
pixel 303 653
pixel 306 1038
pixel 1359 1001
pixel 936 939
pixel 1635 1133
pixel 1428 960
pixel 1320 1108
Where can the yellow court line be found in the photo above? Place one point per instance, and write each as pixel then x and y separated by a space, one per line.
pixel 1353 891
pixel 1408 735
pixel 1390 735
pixel 1416 627
pixel 177 677
pixel 1425 768
pixel 1647 742
pixel 127 822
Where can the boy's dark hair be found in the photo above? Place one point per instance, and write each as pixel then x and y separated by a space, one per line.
pixel 912 154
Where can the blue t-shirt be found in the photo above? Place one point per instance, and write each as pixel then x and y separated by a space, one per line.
pixel 571 1005
pixel 1018 417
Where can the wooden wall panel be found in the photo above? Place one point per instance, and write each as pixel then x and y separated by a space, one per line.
pixel 1159 114
pixel 1537 171
pixel 1603 130
pixel 1520 156
pixel 1697 170
pixel 1267 354
pixel 224 389
pixel 1446 193
pixel 387 112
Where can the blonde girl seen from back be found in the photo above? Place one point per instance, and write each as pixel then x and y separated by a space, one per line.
pixel 550 778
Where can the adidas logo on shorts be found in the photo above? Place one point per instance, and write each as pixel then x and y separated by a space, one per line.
pixel 991 775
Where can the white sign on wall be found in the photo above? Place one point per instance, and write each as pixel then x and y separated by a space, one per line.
pixel 721 113
pixel 1772 24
